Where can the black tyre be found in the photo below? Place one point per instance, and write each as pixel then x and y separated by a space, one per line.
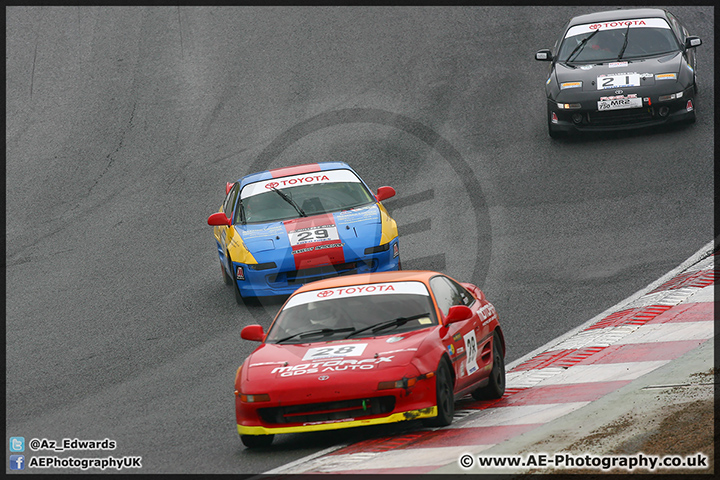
pixel 444 397
pixel 554 134
pixel 552 131
pixel 257 441
pixel 496 386
pixel 226 278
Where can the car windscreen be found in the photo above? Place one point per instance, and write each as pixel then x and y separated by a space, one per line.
pixel 354 312
pixel 619 40
pixel 301 195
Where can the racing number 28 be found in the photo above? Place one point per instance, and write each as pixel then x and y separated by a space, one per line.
pixel 335 351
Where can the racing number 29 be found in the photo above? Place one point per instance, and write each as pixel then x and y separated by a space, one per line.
pixel 310 235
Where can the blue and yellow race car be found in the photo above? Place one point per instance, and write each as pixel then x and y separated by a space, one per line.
pixel 282 228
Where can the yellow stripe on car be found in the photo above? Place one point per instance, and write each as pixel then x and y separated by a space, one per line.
pixel 314 427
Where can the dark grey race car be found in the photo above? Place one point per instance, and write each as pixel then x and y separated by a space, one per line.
pixel 620 69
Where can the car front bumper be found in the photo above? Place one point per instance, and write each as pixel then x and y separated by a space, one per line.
pixel 652 113
pixel 284 281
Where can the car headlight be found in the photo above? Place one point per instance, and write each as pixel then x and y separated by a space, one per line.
pixel 381 248
pixel 404 382
pixel 565 85
pixel 262 266
pixel 263 397
pixel 569 106
pixel 672 96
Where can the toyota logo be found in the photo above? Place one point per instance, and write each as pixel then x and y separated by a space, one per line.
pixel 271 185
pixel 323 377
pixel 618 92
pixel 325 293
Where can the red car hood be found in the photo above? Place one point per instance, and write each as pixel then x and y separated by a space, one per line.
pixel 294 372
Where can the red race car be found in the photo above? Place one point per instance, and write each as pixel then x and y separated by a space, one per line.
pixel 369 349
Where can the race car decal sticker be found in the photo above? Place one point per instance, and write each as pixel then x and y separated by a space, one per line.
pixel 314 241
pixel 471 349
pixel 328 176
pixel 665 76
pixel 266 231
pixel 617 64
pixel 410 287
pixel 329 351
pixel 320 233
pixel 486 313
pixel 618 80
pixel 451 349
pixel 619 102
pixel 331 366
pixel 355 215
pixel 639 23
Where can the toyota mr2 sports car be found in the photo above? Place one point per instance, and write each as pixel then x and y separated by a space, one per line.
pixel 369 349
pixel 279 229
pixel 620 69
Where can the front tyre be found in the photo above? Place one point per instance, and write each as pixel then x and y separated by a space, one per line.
pixel 444 398
pixel 239 299
pixel 226 277
pixel 496 384
pixel 257 441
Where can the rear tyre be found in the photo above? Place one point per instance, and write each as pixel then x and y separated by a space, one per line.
pixel 257 441
pixel 496 384
pixel 444 398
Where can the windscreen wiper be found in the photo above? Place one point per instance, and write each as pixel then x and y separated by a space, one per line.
pixel 396 322
pixel 581 45
pixel 289 200
pixel 622 50
pixel 319 331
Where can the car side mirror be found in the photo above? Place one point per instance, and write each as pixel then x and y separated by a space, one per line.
pixel 691 42
pixel 457 313
pixel 253 333
pixel 219 219
pixel 383 193
pixel 544 55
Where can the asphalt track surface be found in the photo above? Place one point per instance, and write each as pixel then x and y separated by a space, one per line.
pixel 124 123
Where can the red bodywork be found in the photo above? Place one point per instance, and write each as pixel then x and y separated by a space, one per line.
pixel 278 390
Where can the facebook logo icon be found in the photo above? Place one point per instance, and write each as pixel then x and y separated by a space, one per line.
pixel 17 444
pixel 17 462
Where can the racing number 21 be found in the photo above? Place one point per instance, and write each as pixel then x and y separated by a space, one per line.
pixel 608 82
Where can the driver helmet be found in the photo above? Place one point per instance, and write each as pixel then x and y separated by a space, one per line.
pixel 322 316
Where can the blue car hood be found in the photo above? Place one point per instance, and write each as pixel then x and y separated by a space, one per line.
pixel 352 230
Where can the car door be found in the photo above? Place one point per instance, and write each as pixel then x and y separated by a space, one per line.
pixel 465 341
